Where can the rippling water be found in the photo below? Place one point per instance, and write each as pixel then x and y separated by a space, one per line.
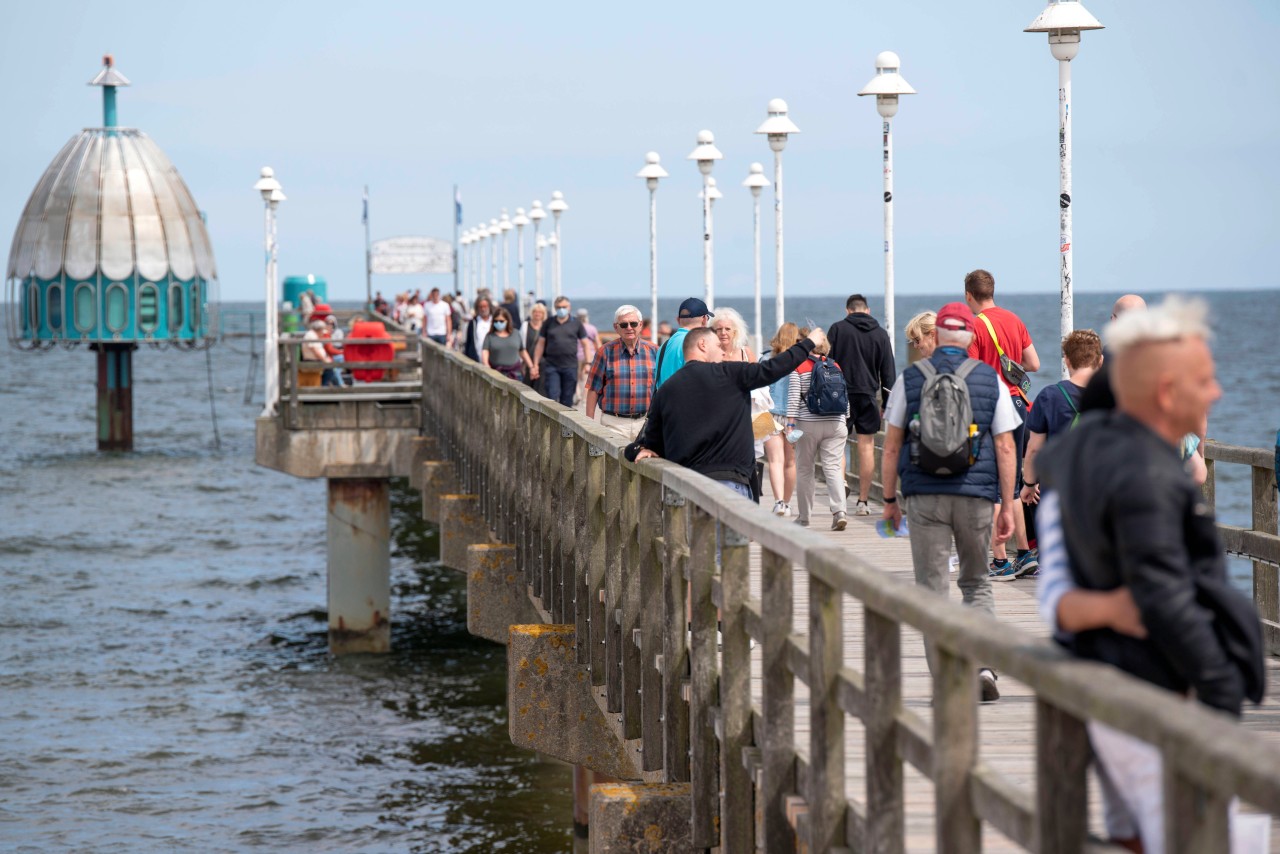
pixel 164 679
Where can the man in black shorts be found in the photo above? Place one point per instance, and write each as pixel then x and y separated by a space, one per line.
pixel 861 347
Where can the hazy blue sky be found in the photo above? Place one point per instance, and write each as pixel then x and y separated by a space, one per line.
pixel 1176 132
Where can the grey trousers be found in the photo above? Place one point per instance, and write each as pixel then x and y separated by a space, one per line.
pixel 935 521
pixel 822 443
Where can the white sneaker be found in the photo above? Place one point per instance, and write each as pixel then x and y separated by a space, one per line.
pixel 861 509
pixel 779 508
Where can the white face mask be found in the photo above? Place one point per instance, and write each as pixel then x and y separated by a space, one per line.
pixel 499 325
pixel 562 312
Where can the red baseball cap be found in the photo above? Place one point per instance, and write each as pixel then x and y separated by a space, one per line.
pixel 955 316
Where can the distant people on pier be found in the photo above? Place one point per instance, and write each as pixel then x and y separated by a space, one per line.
pixel 437 319
pixel 620 381
pixel 334 336
pixel 822 433
pixel 313 352
pixel 478 328
pixel 693 314
pixel 504 349
pixel 920 335
pixel 558 344
pixel 531 331
pixel 1134 570
pixel 1057 407
pixel 701 417
pixel 664 331
pixel 397 310
pixel 952 474
pixel 733 336
pixel 584 361
pixel 862 347
pixel 780 455
pixel 512 305
pixel 414 315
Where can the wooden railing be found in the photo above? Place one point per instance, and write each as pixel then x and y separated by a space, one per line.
pixel 401 382
pixel 623 551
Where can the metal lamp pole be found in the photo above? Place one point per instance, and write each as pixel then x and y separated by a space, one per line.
pixel 557 206
pixel 494 231
pixel 536 216
pixel 272 195
pixel 777 127
pixel 1064 20
pixel 706 154
pixel 482 234
pixel 505 225
pixel 755 183
pixel 887 85
pixel 651 172
pixel 520 221
pixel 554 243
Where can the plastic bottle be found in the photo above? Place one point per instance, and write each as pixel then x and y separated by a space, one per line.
pixel 914 429
pixel 973 443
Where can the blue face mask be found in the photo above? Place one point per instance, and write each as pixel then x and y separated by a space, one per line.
pixel 562 313
pixel 499 325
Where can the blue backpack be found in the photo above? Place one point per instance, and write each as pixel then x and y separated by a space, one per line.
pixel 827 394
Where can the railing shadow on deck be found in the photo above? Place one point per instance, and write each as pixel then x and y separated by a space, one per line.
pixel 621 550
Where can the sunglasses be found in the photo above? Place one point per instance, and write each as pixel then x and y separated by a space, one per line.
pixel 914 342
pixel 630 324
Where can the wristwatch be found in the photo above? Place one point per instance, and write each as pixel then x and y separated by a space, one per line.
pixel 891 501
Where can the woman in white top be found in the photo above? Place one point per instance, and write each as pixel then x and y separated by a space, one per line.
pixel 822 436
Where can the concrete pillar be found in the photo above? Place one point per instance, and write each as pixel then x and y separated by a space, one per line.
pixel 415 453
pixel 497 596
pixel 359 530
pixel 115 396
pixel 461 525
pixel 650 817
pixel 435 479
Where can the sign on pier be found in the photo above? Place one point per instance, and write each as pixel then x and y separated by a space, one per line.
pixel 397 255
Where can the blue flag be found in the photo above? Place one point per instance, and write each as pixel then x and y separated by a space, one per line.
pixel 364 217
pixel 457 205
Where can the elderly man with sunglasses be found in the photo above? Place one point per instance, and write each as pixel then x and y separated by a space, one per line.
pixel 621 379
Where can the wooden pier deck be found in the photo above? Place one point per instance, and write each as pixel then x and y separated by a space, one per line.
pixel 1006 728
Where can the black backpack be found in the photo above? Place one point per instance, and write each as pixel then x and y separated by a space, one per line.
pixel 827 394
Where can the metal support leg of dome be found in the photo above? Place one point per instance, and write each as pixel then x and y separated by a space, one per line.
pixel 115 396
pixel 359 563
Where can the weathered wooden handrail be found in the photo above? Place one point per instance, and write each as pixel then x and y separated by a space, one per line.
pixel 623 551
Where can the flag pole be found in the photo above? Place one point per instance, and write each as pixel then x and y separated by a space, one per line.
pixel 457 218
pixel 368 255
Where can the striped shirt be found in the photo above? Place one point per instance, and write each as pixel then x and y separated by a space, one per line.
pixel 622 380
pixel 797 409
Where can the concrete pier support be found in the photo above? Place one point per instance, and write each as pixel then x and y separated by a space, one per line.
pixel 115 396
pixel 650 817
pixel 462 524
pixel 435 479
pixel 359 534
pixel 497 596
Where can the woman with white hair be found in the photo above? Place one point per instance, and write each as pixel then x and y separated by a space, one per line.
pixel 731 330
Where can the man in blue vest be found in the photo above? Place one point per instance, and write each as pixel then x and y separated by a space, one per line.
pixel 954 508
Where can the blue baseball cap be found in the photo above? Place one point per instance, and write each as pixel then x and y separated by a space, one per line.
pixel 694 307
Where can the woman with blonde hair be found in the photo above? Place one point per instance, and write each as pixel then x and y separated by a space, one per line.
pixel 780 455
pixel 920 333
pixel 731 330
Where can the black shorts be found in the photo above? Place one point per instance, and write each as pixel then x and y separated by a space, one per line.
pixel 1019 438
pixel 864 415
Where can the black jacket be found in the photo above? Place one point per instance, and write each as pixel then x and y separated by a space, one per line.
pixel 1131 516
pixel 861 347
pixel 701 416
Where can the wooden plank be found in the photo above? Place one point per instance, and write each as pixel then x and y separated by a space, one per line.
pixel 705 683
pixel 825 791
pixel 1266 576
pixel 613 594
pixel 1062 792
pixel 955 750
pixel 595 552
pixel 632 669
pixel 778 703
pixel 675 657
pixel 883 701
pixel 650 573
pixel 1195 817
pixel 737 827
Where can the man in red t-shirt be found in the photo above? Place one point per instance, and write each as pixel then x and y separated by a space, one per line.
pixel 980 293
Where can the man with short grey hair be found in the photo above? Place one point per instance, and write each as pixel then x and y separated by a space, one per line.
pixel 621 379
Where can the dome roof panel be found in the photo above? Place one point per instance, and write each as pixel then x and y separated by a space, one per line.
pixel 52 244
pixel 177 239
pixel 148 234
pixel 82 229
pixel 116 251
pixel 27 235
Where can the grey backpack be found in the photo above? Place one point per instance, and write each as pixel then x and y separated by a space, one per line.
pixel 944 428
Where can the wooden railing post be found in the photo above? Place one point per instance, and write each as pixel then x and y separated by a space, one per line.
pixel 579 583
pixel 566 510
pixel 705 682
pixel 1266 576
pixel 1062 791
pixel 629 583
pixel 1195 818
pixel 883 678
pixel 955 750
pixel 737 812
pixel 650 572
pixel 675 651
pixel 614 490
pixel 600 469
pixel 826 719
pixel 779 769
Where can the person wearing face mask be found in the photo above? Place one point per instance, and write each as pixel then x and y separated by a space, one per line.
pixel 478 329
pixel 504 349
pixel 558 345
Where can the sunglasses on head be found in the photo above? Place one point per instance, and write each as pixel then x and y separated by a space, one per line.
pixel 630 324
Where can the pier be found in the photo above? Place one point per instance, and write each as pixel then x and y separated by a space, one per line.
pixel 813 724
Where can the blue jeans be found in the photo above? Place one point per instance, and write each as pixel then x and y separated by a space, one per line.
pixel 561 383
pixel 439 339
pixel 740 488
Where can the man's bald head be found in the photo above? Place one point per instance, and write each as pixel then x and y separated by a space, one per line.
pixel 701 345
pixel 1127 303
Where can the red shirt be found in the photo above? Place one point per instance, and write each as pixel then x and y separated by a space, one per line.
pixel 1013 336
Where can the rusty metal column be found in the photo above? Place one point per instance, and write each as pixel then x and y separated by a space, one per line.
pixel 115 396
pixel 359 557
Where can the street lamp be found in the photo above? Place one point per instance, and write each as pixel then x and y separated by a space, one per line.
pixel 482 234
pixel 776 128
pixel 494 230
pixel 505 225
pixel 706 154
pixel 651 172
pixel 1064 20
pixel 536 216
pixel 520 221
pixel 554 243
pixel 472 240
pixel 464 260
pixel 755 183
pixel 887 85
pixel 272 196
pixel 557 206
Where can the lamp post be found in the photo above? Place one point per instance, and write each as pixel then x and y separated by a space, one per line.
pixel 494 231
pixel 557 206
pixel 472 240
pixel 776 127
pixel 272 196
pixel 464 261
pixel 554 243
pixel 755 183
pixel 705 155
pixel 536 216
pixel 505 225
pixel 887 85
pixel 1064 20
pixel 482 234
pixel 520 221
pixel 651 172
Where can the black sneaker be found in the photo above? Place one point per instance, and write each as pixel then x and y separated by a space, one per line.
pixel 987 679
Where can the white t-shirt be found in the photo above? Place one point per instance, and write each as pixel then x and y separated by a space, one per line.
pixel 436 315
pixel 413 316
pixel 482 327
pixel 1006 417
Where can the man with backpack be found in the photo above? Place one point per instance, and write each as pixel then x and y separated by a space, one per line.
pixel 1057 407
pixel 817 405
pixel 863 350
pixel 949 437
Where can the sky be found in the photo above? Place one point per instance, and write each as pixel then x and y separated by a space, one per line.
pixel 1176 133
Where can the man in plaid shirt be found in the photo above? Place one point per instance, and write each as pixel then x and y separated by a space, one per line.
pixel 621 378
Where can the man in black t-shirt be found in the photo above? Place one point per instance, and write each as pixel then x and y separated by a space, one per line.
pixel 558 346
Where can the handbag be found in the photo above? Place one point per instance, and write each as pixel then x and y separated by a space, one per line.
pixel 1013 372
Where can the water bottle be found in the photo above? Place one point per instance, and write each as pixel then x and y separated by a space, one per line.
pixel 914 429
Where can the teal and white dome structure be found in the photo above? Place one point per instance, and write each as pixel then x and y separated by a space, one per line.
pixel 111 247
